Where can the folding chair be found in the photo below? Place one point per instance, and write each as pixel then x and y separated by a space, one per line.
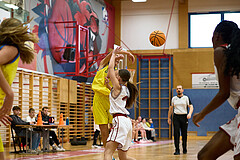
pixel 18 140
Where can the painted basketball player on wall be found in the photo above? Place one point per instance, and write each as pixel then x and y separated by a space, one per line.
pixel 96 15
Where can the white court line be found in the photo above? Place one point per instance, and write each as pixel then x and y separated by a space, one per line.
pixel 71 154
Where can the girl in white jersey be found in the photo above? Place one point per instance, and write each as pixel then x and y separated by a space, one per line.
pixel 122 96
pixel 226 44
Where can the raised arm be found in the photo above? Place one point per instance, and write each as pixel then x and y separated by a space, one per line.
pixel 224 87
pixel 111 72
pixel 106 60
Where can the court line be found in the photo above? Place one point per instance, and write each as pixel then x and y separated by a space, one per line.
pixel 71 154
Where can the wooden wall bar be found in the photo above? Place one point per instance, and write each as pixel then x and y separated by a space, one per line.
pixel 36 90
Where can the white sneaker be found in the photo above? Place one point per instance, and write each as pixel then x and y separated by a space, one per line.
pixel 38 150
pixel 55 148
pixel 96 146
pixel 32 151
pixel 61 149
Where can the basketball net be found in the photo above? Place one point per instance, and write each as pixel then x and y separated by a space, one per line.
pixel 132 72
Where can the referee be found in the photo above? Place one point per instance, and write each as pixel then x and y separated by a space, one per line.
pixel 180 118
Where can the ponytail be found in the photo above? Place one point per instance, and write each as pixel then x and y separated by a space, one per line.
pixel 133 94
pixel 233 55
pixel 125 76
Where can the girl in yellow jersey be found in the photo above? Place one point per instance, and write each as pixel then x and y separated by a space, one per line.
pixel 101 104
pixel 13 35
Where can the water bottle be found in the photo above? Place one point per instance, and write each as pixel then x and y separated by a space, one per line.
pixel 67 121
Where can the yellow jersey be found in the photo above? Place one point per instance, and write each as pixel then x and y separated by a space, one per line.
pixel 9 71
pixel 101 104
pixel 98 84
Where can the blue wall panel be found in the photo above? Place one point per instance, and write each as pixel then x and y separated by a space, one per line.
pixel 144 83
pixel 154 103
pixel 164 103
pixel 164 73
pixel 154 73
pixel 164 133
pixel 154 113
pixel 164 93
pixel 164 124
pixel 144 63
pixel 164 83
pixel 200 98
pixel 164 113
pixel 154 83
pixel 151 90
pixel 144 113
pixel 144 102
pixel 154 63
pixel 144 93
pixel 145 73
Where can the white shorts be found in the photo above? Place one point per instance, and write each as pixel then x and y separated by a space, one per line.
pixel 96 127
pixel 232 129
pixel 121 132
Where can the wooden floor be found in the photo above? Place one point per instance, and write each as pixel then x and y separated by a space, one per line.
pixel 160 150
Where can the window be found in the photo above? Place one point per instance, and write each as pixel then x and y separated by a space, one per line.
pixel 4 14
pixel 201 29
pixel 235 17
pixel 202 25
pixel 10 10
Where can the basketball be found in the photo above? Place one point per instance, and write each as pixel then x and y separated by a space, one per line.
pixel 157 38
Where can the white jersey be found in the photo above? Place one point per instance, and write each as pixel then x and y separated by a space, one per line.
pixel 180 104
pixel 118 104
pixel 29 119
pixel 233 131
pixel 234 89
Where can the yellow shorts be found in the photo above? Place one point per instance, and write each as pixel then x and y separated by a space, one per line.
pixel 1 145
pixel 101 106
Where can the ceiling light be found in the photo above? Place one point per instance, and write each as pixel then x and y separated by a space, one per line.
pixel 139 0
pixel 11 6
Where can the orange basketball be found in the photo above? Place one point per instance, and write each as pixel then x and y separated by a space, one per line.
pixel 157 38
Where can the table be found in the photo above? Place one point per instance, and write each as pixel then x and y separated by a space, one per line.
pixel 45 131
pixel 62 126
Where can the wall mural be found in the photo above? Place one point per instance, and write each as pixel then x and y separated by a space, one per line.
pixel 96 15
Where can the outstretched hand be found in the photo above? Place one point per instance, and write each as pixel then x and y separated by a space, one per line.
pixel 130 56
pixel 4 112
pixel 189 116
pixel 169 121
pixel 5 119
pixel 106 80
pixel 119 57
pixel 197 118
pixel 119 50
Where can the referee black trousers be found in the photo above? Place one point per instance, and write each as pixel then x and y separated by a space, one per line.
pixel 180 122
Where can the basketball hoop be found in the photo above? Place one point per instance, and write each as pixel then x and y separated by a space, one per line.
pixel 132 73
